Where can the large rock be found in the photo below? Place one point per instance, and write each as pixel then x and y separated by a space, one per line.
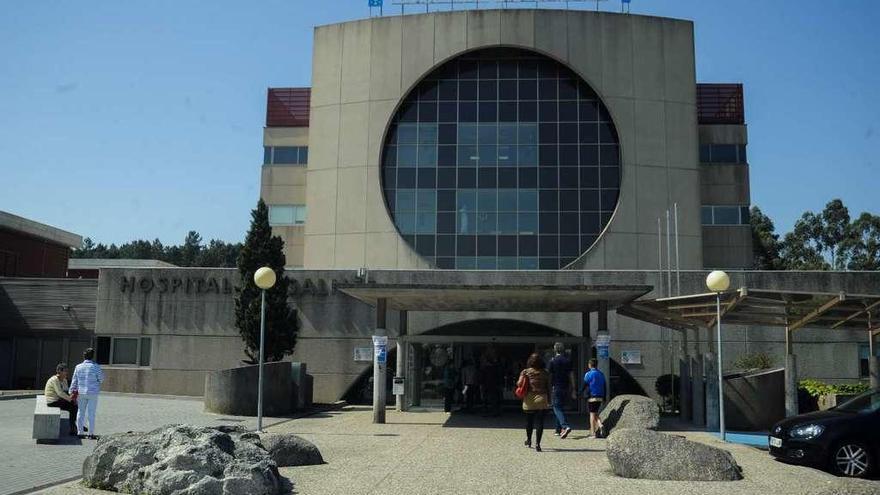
pixel 291 450
pixel 183 460
pixel 646 454
pixel 844 486
pixel 630 411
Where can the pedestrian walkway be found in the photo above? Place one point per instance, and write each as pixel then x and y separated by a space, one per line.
pixel 25 464
pixel 429 452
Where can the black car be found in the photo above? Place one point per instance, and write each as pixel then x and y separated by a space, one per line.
pixel 844 439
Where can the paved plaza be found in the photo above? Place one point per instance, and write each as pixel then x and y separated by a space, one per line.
pixel 430 452
pixel 25 464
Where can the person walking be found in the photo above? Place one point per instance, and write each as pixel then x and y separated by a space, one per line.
pixel 594 391
pixel 86 382
pixel 57 395
pixel 562 384
pixel 470 388
pixel 536 400
pixel 450 379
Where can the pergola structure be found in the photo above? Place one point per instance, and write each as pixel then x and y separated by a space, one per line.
pixel 790 310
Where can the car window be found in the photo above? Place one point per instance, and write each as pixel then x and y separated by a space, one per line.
pixel 865 403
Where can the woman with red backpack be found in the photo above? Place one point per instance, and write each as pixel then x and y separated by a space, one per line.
pixel 533 387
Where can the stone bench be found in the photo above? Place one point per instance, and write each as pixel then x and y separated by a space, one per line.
pixel 47 421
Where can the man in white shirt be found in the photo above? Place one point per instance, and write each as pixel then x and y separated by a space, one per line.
pixel 86 382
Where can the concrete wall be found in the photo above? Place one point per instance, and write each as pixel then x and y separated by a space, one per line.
pixel 286 185
pixel 642 67
pixel 193 332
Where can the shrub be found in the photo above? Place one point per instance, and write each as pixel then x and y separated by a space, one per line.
pixel 817 389
pixel 667 387
pixel 758 360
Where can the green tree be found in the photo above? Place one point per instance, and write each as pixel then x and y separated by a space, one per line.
pixel 835 232
pixel 260 249
pixel 765 242
pixel 864 243
pixel 191 249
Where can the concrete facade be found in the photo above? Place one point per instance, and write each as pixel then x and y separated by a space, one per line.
pixel 641 67
pixel 193 332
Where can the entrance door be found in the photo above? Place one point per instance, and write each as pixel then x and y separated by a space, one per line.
pixel 5 363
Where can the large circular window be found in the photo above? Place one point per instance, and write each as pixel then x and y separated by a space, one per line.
pixel 501 159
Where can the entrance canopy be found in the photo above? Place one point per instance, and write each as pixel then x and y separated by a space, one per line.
pixel 789 309
pixel 512 298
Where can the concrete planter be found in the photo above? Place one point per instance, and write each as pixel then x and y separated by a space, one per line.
pixel 754 400
pixel 234 391
pixel 828 401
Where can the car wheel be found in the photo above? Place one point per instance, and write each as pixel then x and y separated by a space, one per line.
pixel 852 459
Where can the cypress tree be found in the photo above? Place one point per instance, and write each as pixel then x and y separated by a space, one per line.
pixel 260 249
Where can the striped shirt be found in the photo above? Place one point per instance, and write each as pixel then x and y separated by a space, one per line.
pixel 87 378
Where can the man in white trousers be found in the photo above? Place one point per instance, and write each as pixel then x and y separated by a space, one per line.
pixel 86 382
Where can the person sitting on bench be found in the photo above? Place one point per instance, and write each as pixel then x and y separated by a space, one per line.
pixel 57 395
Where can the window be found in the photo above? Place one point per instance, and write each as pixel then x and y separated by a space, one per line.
pixel 123 351
pixel 724 215
pixel 723 153
pixel 287 215
pixel 501 159
pixel 285 155
pixel 864 352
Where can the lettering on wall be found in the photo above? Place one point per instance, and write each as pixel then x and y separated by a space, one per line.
pixel 174 285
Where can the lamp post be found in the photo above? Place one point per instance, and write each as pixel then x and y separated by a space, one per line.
pixel 718 282
pixel 265 279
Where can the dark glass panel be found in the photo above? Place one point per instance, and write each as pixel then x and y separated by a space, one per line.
pixel 507 90
pixel 507 177
pixel 468 69
pixel 528 245
pixel 590 223
pixel 528 178
pixel 447 133
pixel 389 178
pixel 609 199
pixel 445 245
pixel 507 111
pixel 568 133
pixel 589 133
pixel 588 111
pixel 547 89
pixel 446 177
pixel 528 90
pixel 528 69
pixel 488 69
pixel 406 177
pixel 446 223
pixel 610 177
pixel 466 245
pixel 447 111
pixel 587 242
pixel 548 245
pixel 467 111
pixel 610 155
pixel 446 263
pixel 568 89
pixel 528 111
pixel 590 200
pixel 547 111
pixel 507 69
pixel 486 245
pixel 409 112
pixel 445 200
pixel 548 155
pixel 507 245
pixel 467 178
pixel 568 111
pixel 427 178
pixel 488 111
pixel 568 177
pixel 389 157
pixel 488 178
pixel 548 133
pixel 488 90
pixel 548 263
pixel 569 245
pixel 548 177
pixel 568 199
pixel 425 245
pixel 428 112
pixel 569 223
pixel 448 90
pixel 467 90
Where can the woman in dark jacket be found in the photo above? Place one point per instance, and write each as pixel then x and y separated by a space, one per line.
pixel 537 400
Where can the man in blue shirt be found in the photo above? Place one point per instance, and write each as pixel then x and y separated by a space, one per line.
pixel 562 382
pixel 594 386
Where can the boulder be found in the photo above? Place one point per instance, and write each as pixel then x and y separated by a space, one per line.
pixel 646 454
pixel 844 486
pixel 630 411
pixel 291 450
pixel 183 460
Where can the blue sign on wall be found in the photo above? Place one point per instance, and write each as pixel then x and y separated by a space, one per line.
pixel 374 3
pixel 602 351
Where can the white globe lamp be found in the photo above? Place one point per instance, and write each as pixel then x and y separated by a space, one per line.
pixel 265 278
pixel 718 281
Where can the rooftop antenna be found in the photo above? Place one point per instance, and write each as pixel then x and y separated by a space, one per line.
pixel 624 6
pixel 372 4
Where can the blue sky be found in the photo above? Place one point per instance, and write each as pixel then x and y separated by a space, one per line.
pixel 126 120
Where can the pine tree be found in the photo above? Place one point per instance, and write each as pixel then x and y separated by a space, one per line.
pixel 262 249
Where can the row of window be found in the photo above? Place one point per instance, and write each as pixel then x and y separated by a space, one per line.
pixel 280 215
pixel 285 155
pixel 123 351
pixel 725 215
pixel 723 153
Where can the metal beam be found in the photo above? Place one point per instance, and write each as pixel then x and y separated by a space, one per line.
pixel 812 315
pixel 740 297
pixel 857 314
